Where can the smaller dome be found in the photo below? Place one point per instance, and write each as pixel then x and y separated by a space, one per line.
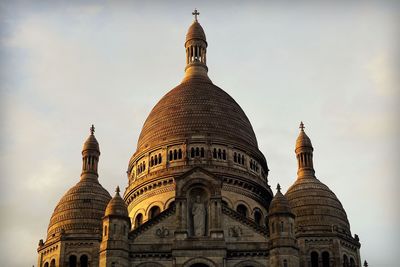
pixel 316 207
pixel 80 209
pixel 195 32
pixel 91 142
pixel 117 206
pixel 279 204
pixel 303 140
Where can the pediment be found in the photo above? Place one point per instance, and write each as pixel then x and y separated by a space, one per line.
pixel 200 176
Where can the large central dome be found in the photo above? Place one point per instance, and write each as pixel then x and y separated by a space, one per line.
pixel 194 107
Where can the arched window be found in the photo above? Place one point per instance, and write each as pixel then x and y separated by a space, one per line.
pixel 53 263
pixel 282 227
pixel 314 259
pixel 197 151
pixel 352 263
pixel 155 160
pixel 170 155
pixel 215 153
pixel 171 204
pixel 175 154
pixel 180 154
pixel 72 261
pixel 84 261
pixel 154 211
pixel 242 159
pixel 285 263
pixel 151 162
pixel 46 264
pixel 234 157
pixel 219 154
pixel 257 217
pixel 242 210
pixel 325 259
pixel 138 220
pixel 345 261
pixel 192 152
pixel 159 159
pixel 202 152
pixel 105 230
pixel 144 166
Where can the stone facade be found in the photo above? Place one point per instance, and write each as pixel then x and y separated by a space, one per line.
pixel 198 194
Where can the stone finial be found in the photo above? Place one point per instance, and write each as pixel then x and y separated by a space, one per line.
pixel 117 190
pixel 195 13
pixel 302 126
pixel 365 263
pixel 92 130
pixel 278 187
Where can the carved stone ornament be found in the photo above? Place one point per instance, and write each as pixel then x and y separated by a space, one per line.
pixel 162 232
pixel 235 231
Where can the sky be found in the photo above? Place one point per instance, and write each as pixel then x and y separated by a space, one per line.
pixel 67 64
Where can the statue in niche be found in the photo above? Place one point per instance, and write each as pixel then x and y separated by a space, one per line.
pixel 199 217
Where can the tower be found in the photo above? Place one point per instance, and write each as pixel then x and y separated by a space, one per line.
pixel 74 232
pixel 322 229
pixel 114 248
pixel 283 245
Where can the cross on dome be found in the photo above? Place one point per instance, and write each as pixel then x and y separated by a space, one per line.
pixel 117 190
pixel 195 13
pixel 92 130
pixel 278 187
pixel 302 126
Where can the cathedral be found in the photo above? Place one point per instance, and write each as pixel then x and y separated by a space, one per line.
pixel 198 194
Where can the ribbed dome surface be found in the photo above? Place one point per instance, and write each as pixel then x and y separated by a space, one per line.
pixel 195 31
pixel 117 206
pixel 316 207
pixel 303 140
pixel 195 107
pixel 80 210
pixel 91 143
pixel 279 204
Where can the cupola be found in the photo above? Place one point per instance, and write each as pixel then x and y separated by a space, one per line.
pixel 196 51
pixel 304 154
pixel 90 156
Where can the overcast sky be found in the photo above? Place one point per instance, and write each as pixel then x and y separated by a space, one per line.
pixel 66 65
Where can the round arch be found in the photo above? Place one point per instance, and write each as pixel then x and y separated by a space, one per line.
pixel 168 202
pixel 228 201
pixel 152 204
pixel 150 264
pixel 205 261
pixel 247 263
pixel 141 210
pixel 241 202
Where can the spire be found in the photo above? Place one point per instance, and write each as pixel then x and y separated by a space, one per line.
pixel 196 50
pixel 90 156
pixel 304 153
pixel 278 187
pixel 117 190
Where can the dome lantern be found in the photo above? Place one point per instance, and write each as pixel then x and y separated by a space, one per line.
pixel 90 156
pixel 304 154
pixel 196 51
